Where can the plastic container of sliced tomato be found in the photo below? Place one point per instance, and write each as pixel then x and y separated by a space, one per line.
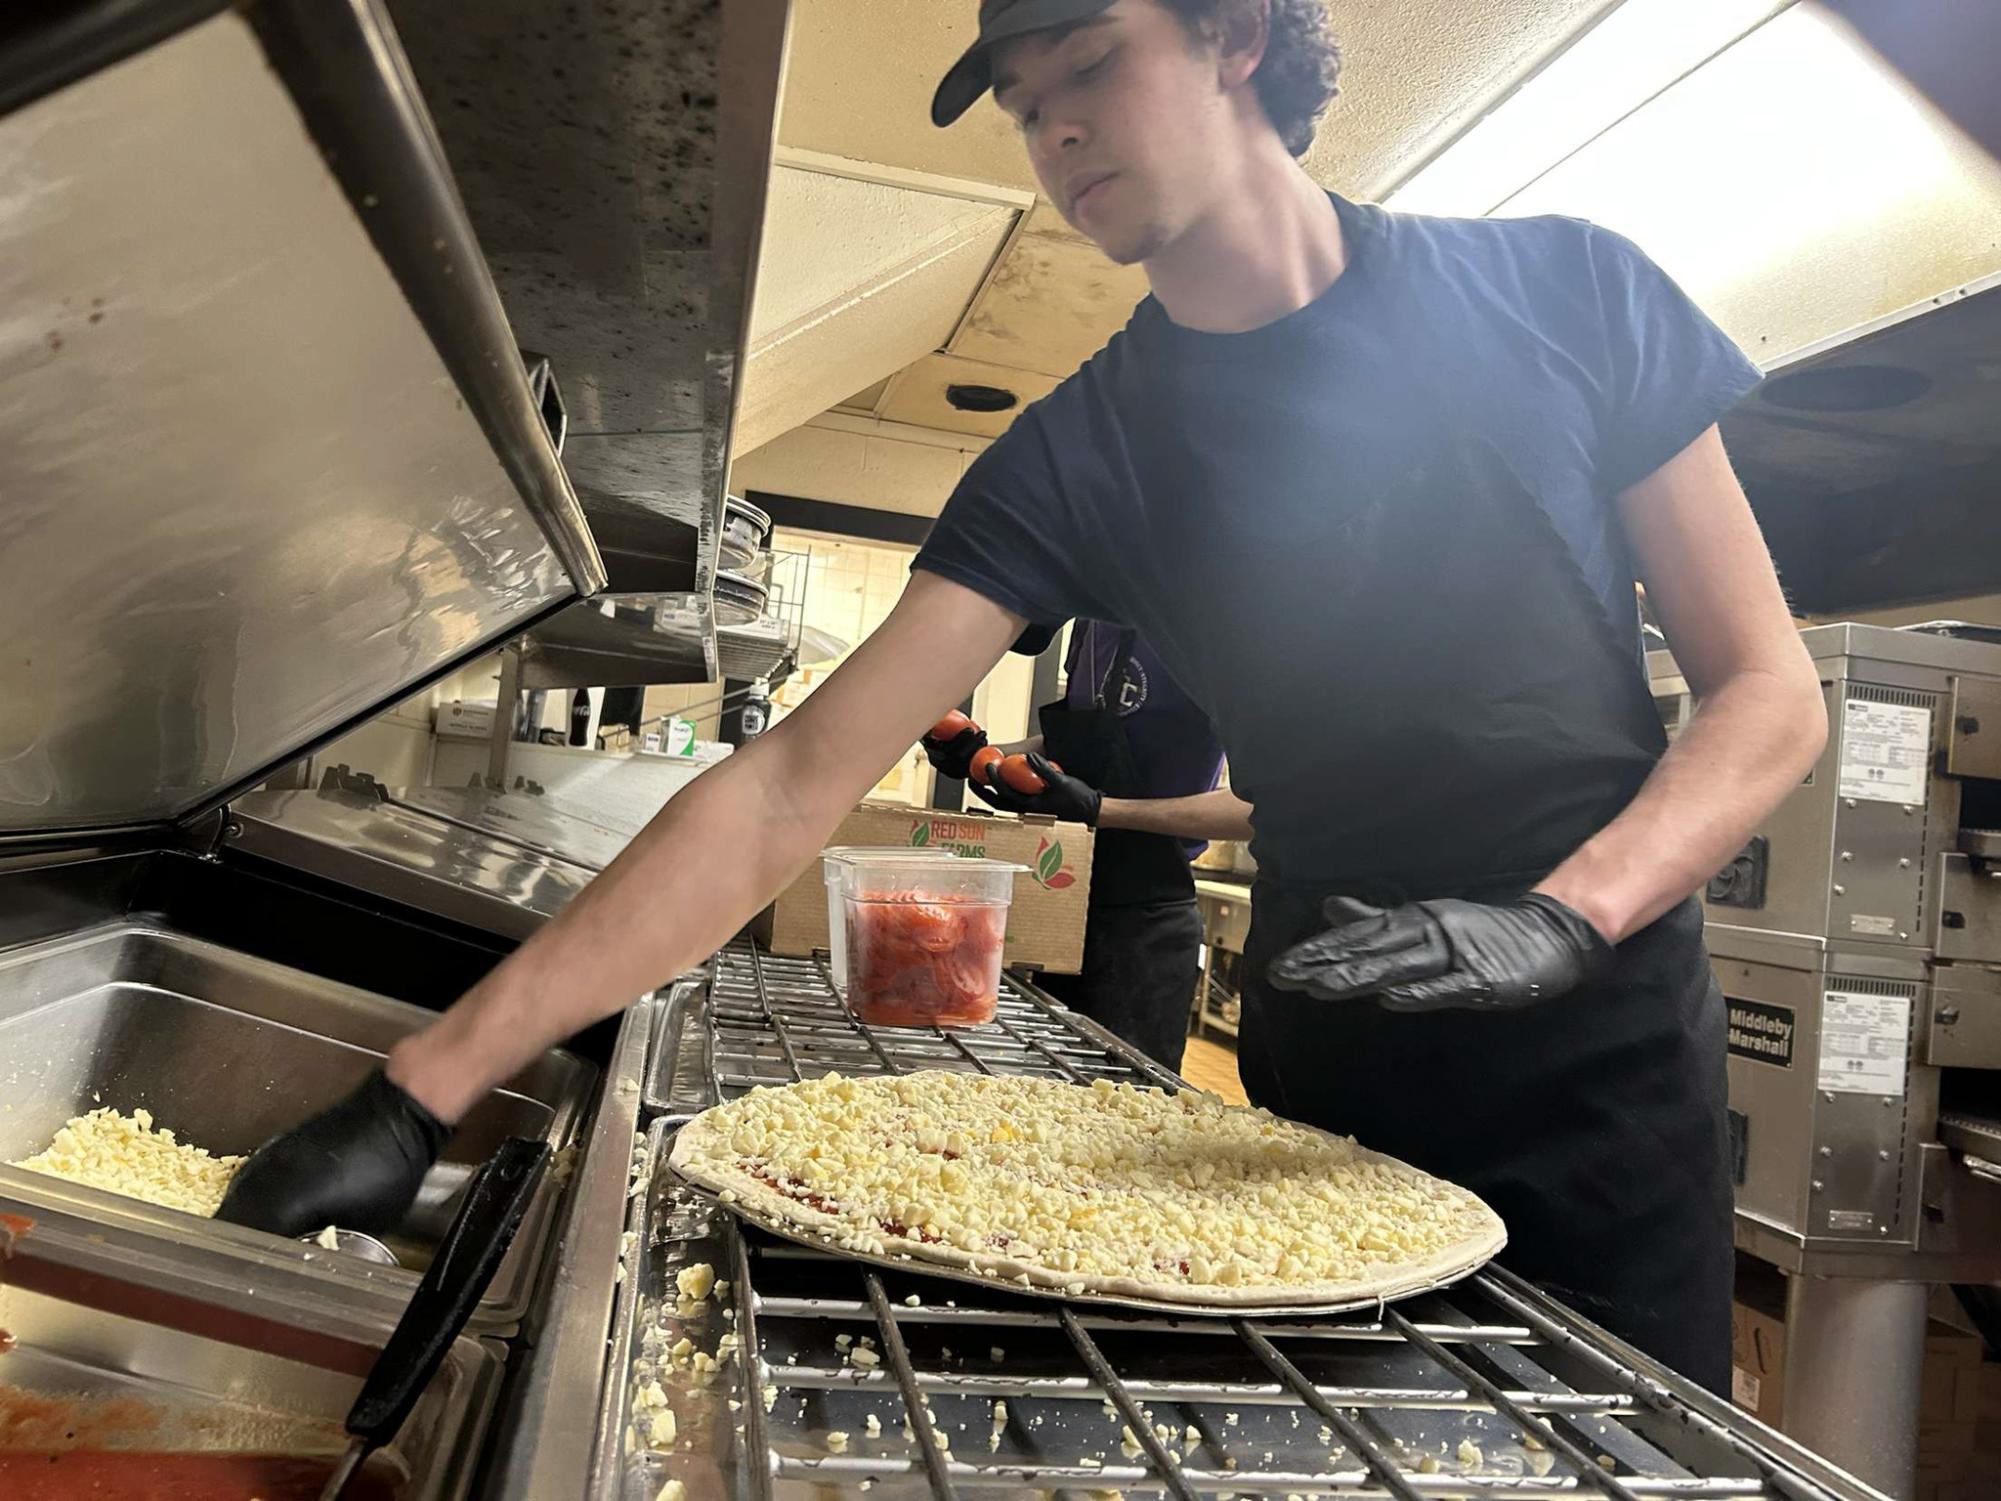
pixel 924 937
pixel 831 861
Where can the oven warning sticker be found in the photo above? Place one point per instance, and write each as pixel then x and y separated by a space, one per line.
pixel 1885 752
pixel 1763 1033
pixel 1864 1041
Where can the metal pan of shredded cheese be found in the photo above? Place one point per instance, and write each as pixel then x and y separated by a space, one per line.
pixel 1112 1195
pixel 128 1154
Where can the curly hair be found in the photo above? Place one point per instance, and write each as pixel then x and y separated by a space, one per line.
pixel 1301 71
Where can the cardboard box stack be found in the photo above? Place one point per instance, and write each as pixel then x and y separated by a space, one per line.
pixel 1959 1414
pixel 1959 1418
pixel 1045 924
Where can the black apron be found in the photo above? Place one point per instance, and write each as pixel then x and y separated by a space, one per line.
pixel 1593 1123
pixel 1128 868
pixel 1142 944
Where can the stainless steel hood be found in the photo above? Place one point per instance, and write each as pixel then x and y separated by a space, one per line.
pixel 1873 459
pixel 268 457
pixel 614 160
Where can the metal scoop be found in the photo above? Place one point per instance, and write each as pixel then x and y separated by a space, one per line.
pixel 352 1243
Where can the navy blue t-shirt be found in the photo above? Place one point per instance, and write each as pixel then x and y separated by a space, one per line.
pixel 1174 748
pixel 1147 488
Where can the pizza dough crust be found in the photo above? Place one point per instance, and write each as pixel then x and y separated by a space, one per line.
pixel 702 1153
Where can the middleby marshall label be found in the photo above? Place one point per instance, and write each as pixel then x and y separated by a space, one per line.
pixel 1761 1032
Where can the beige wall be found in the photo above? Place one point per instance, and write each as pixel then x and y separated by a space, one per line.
pixel 850 589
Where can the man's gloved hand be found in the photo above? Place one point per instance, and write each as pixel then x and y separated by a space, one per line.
pixel 1431 956
pixel 357 1164
pixel 1061 795
pixel 952 743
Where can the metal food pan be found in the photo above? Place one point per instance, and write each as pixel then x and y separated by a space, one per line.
pixel 226 1051
pixel 78 1377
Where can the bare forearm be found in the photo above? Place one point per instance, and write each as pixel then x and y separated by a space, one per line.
pixel 1218 814
pixel 1748 745
pixel 716 853
pixel 663 906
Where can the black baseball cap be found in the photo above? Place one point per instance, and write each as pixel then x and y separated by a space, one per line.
pixel 1001 20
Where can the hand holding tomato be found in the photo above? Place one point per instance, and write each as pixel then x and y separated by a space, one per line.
pixel 953 743
pixel 1035 784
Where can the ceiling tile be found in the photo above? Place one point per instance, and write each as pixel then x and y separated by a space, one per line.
pixel 862 71
pixel 918 395
pixel 1051 306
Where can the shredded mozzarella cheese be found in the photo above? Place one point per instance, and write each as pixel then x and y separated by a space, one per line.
pixel 1108 1181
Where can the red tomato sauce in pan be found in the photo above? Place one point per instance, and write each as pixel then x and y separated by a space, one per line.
pixel 135 1475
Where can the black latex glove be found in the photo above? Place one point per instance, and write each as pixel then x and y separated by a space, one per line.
pixel 1065 797
pixel 954 757
pixel 1430 956
pixel 357 1164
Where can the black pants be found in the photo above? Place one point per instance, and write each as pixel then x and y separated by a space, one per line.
pixel 1138 980
pixel 1593 1124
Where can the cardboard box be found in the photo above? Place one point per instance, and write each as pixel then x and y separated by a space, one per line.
pixel 1757 1361
pixel 1045 924
pixel 472 720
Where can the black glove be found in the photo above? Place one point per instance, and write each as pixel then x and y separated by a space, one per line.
pixel 357 1164
pixel 1064 797
pixel 1430 956
pixel 954 757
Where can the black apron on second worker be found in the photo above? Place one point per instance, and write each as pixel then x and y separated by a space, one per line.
pixel 1143 936
pixel 1593 1123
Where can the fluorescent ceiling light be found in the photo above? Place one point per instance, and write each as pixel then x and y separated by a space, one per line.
pixel 1797 186
pixel 1640 48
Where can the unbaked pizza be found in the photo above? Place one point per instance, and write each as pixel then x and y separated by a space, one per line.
pixel 1103 1189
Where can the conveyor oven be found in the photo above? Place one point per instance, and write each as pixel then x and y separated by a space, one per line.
pixel 1857 940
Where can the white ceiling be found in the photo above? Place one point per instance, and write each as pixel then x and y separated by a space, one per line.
pixel 829 330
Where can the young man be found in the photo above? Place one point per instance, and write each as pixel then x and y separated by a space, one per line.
pixel 1376 488
pixel 1123 735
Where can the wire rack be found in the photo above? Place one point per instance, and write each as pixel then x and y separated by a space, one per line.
pixel 773 1020
pixel 1485 1389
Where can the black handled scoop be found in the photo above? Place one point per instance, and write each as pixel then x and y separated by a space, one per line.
pixel 467 1258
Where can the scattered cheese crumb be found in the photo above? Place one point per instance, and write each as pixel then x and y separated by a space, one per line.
pixel 913 1301
pixel 837 1442
pixel 1469 1453
pixel 126 1155
pixel 1426 1465
pixel 673 1490
pixel 770 1394
pixel 868 1360
pixel 1230 1418
pixel 328 1239
pixel 663 1430
pixel 842 1341
pixel 997 1355
pixel 872 1426
pixel 696 1282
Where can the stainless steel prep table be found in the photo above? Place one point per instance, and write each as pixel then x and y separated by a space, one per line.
pixel 1427 1399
